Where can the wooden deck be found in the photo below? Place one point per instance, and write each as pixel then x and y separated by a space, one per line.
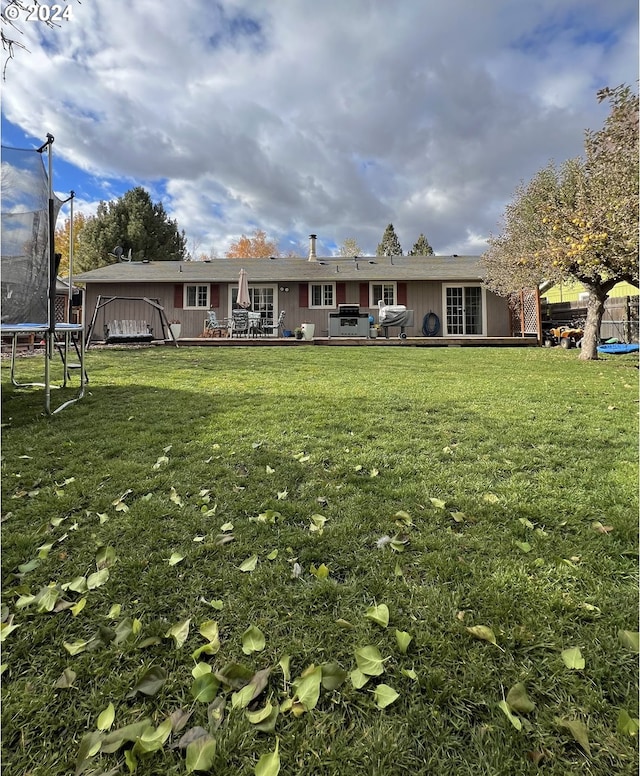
pixel 376 342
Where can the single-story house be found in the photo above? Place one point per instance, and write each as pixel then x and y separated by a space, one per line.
pixel 307 289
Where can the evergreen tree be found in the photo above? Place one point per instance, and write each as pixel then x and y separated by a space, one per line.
pixel 421 247
pixel 390 245
pixel 134 223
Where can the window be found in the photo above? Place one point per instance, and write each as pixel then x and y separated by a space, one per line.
pixel 385 291
pixel 322 294
pixel 196 297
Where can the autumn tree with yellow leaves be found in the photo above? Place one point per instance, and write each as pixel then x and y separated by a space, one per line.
pixel 257 247
pixel 63 239
pixel 578 221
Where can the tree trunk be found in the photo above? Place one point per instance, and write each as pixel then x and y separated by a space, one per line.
pixel 595 311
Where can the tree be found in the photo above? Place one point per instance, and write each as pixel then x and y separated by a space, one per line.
pixel 350 248
pixel 421 247
pixel 256 247
pixel 62 238
pixel 390 245
pixel 134 223
pixel 578 221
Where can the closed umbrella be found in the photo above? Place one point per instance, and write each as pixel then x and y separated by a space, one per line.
pixel 243 300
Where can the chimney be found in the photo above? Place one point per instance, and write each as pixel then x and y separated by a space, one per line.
pixel 312 247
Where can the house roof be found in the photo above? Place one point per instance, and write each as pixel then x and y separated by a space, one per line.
pixel 323 269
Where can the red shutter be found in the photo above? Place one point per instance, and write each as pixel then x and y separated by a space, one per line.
pixel 364 295
pixel 303 295
pixel 178 296
pixel 214 295
pixel 341 293
pixel 402 293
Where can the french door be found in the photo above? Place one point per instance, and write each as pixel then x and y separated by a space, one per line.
pixel 262 301
pixel 464 310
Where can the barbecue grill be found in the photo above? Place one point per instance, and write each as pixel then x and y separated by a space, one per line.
pixel 394 315
pixel 349 322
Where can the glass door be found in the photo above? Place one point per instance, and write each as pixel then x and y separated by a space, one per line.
pixel 464 310
pixel 455 311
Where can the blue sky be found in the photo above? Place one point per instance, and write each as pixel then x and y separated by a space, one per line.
pixel 333 118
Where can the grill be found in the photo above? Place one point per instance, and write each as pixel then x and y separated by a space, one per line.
pixel 394 315
pixel 348 322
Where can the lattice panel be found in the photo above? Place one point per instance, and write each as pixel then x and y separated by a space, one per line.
pixel 523 306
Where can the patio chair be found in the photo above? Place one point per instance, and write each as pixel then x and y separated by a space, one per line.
pixel 239 323
pixel 277 325
pixel 213 326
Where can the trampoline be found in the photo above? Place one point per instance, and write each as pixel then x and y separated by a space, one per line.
pixel 618 348
pixel 29 268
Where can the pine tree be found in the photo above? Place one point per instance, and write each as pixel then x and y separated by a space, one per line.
pixel 421 247
pixel 390 245
pixel 134 223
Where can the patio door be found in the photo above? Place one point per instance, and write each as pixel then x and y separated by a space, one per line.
pixel 464 310
pixel 262 301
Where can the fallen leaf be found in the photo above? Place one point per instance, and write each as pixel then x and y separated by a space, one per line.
pixel 484 633
pixel 572 658
pixel 403 639
pixel 249 564
pixel 66 679
pixel 106 717
pixel 269 764
pixel 253 640
pixel 630 640
pixel 179 632
pixel 518 699
pixel 384 696
pixel 201 754
pixel 378 614
pixel 504 706
pixel 369 661
pixel 578 730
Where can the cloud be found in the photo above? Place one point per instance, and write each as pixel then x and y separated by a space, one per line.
pixel 334 118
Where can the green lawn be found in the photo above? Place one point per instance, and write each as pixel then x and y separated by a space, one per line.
pixel 197 498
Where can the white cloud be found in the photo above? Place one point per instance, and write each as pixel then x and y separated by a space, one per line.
pixel 334 118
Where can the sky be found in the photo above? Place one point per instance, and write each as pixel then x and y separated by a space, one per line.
pixel 334 118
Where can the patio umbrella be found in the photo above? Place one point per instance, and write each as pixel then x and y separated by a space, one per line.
pixel 243 300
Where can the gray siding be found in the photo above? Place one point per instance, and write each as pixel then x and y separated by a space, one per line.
pixel 422 297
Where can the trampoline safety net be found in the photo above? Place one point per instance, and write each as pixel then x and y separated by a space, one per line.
pixel 24 237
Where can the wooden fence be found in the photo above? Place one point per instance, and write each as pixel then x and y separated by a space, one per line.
pixel 620 319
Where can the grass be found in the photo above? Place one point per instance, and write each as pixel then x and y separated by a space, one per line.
pixel 517 470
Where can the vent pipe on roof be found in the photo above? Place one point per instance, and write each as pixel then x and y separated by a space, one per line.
pixel 312 247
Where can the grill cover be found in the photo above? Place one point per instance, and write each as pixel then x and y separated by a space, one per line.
pixel 395 315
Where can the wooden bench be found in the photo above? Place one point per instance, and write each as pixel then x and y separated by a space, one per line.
pixel 128 331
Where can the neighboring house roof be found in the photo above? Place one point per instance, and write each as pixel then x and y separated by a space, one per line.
pixel 62 285
pixel 323 269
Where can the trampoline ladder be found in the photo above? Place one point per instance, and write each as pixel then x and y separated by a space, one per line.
pixel 68 366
